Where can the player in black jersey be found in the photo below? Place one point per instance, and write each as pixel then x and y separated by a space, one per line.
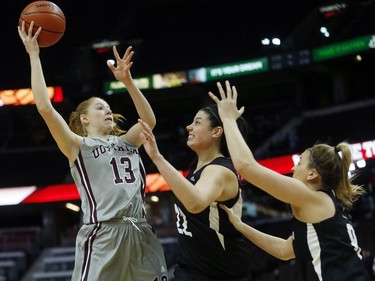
pixel 323 240
pixel 210 248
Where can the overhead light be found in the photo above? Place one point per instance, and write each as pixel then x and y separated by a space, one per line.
pixel 361 163
pixel 72 207
pixel 324 31
pixel 274 41
pixel 266 41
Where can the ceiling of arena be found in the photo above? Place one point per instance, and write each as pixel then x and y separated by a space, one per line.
pixel 169 35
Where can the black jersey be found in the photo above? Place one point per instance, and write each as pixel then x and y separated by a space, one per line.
pixel 209 244
pixel 328 250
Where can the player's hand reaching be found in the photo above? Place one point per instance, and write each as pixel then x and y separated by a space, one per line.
pixel 227 106
pixel 234 213
pixel 29 40
pixel 149 141
pixel 121 70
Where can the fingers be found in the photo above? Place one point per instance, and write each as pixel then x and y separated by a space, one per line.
pixel 38 32
pixel 128 56
pixel 146 134
pixel 235 94
pixel 22 27
pixel 212 96
pixel 229 90
pixel 242 110
pixel 27 36
pixel 221 91
pixel 128 59
pixel 30 31
pixel 125 61
pixel 230 94
pixel 115 53
pixel 143 137
pixel 128 53
pixel 145 127
pixel 226 209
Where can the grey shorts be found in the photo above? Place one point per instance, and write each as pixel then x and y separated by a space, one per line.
pixel 119 250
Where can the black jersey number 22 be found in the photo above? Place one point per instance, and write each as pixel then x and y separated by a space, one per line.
pixel 181 221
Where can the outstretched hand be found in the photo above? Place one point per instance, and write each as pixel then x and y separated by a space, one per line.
pixel 227 106
pixel 122 69
pixel 148 140
pixel 29 40
pixel 234 213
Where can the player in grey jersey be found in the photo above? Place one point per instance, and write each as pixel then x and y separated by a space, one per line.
pixel 323 240
pixel 115 242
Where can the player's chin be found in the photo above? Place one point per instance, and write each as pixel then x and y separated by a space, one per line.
pixel 190 144
pixel 109 128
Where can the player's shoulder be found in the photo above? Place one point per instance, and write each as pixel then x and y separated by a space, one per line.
pixel 223 162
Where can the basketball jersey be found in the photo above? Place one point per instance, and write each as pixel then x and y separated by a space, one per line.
pixel 328 250
pixel 110 178
pixel 209 244
pixel 115 242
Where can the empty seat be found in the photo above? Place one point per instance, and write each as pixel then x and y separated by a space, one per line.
pixel 58 263
pixel 19 257
pixel 9 270
pixel 53 276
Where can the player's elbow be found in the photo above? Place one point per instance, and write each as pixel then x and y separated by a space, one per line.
pixel 285 257
pixel 285 251
pixel 44 110
pixel 195 207
pixel 152 124
pixel 241 165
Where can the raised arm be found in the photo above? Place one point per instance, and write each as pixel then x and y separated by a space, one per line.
pixel 195 198
pixel 122 73
pixel 67 141
pixel 284 188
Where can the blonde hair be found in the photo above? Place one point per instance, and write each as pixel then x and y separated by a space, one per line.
pixel 332 164
pixel 77 127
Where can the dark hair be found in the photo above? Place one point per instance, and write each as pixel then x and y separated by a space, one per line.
pixel 215 121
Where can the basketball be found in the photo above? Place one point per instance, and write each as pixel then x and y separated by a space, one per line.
pixel 47 15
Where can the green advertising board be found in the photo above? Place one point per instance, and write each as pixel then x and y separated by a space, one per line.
pixel 237 69
pixel 343 48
